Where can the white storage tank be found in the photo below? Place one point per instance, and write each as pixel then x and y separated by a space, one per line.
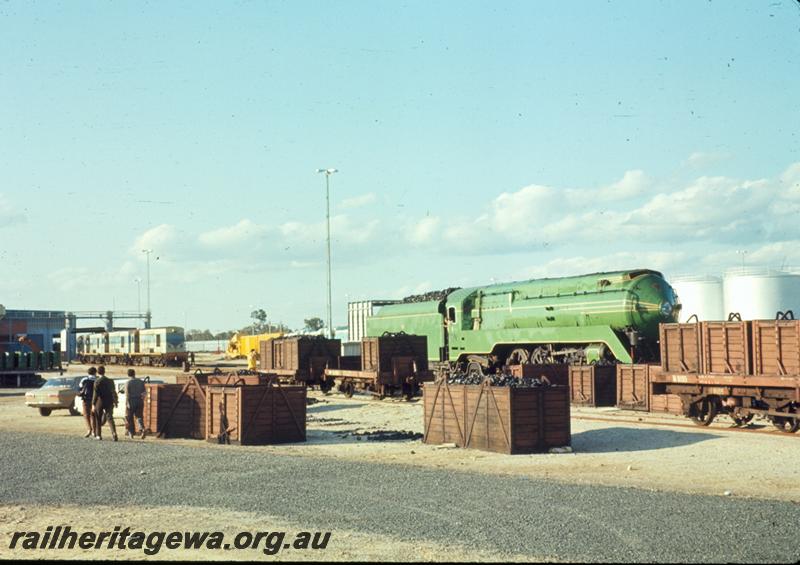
pixel 700 295
pixel 758 294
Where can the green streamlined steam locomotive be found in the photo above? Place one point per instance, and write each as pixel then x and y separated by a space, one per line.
pixel 597 318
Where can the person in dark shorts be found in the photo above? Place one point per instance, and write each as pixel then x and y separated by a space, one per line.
pixel 86 392
pixel 134 404
pixel 104 401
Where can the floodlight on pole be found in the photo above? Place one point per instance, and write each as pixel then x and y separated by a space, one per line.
pixel 328 173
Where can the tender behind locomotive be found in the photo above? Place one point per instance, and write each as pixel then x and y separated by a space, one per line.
pixel 591 318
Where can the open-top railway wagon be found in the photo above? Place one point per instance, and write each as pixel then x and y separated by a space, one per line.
pixel 742 397
pixel 739 368
pixel 301 359
pixel 160 347
pixel 389 364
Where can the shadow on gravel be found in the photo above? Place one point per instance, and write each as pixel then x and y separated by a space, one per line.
pixel 609 440
pixel 316 408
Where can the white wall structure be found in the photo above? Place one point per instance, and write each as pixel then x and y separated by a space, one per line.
pixel 701 295
pixel 758 294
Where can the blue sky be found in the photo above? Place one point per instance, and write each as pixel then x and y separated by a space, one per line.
pixel 475 141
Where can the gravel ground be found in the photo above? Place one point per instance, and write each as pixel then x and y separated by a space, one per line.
pixel 504 514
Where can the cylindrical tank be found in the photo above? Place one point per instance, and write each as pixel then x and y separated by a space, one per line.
pixel 758 294
pixel 700 295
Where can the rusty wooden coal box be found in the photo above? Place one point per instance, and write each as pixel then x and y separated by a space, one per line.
pixel 592 385
pixel 301 359
pixel 681 350
pixel 501 419
pixel 256 415
pixel 555 374
pixel 390 364
pixel 776 347
pixel 633 386
pixel 726 348
pixel 176 411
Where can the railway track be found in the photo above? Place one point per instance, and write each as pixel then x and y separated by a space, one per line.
pixel 766 429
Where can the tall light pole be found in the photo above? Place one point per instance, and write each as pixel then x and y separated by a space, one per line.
pixel 138 282
pixel 328 173
pixel 148 252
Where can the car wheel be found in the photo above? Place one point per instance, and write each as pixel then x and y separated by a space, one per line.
pixel 45 411
pixel 73 411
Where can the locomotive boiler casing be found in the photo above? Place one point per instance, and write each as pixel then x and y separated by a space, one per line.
pixel 593 312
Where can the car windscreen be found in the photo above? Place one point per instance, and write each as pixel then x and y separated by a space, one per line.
pixel 61 382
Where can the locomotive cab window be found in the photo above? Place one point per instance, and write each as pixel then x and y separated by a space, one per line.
pixel 451 314
pixel 158 341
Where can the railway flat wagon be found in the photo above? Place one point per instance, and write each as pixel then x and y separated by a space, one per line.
pixel 391 363
pixel 301 359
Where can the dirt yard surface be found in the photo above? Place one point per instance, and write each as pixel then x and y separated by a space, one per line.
pixel 611 447
pixel 344 545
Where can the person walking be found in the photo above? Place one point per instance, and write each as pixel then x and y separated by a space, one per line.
pixel 103 402
pixel 86 392
pixel 134 404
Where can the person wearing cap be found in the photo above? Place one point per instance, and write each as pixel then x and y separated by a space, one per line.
pixel 86 392
pixel 134 404
pixel 104 401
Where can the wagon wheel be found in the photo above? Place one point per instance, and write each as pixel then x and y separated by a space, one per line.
pixel 326 385
pixel 348 389
pixel 786 425
pixel 408 391
pixel 518 356
pixel 741 421
pixel 703 412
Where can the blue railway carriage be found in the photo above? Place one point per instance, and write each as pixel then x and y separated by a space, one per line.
pixel 158 347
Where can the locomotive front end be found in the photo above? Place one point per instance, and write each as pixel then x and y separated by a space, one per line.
pixel 651 301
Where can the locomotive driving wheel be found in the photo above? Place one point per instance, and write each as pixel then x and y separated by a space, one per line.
pixel 474 368
pixel 704 411
pixel 518 356
pixel 539 356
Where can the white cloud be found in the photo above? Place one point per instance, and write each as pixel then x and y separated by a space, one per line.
pixel 424 231
pixel 701 159
pixel 157 238
pixel 633 183
pixel 706 209
pixel 358 201
pixel 245 231
pixel 344 229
